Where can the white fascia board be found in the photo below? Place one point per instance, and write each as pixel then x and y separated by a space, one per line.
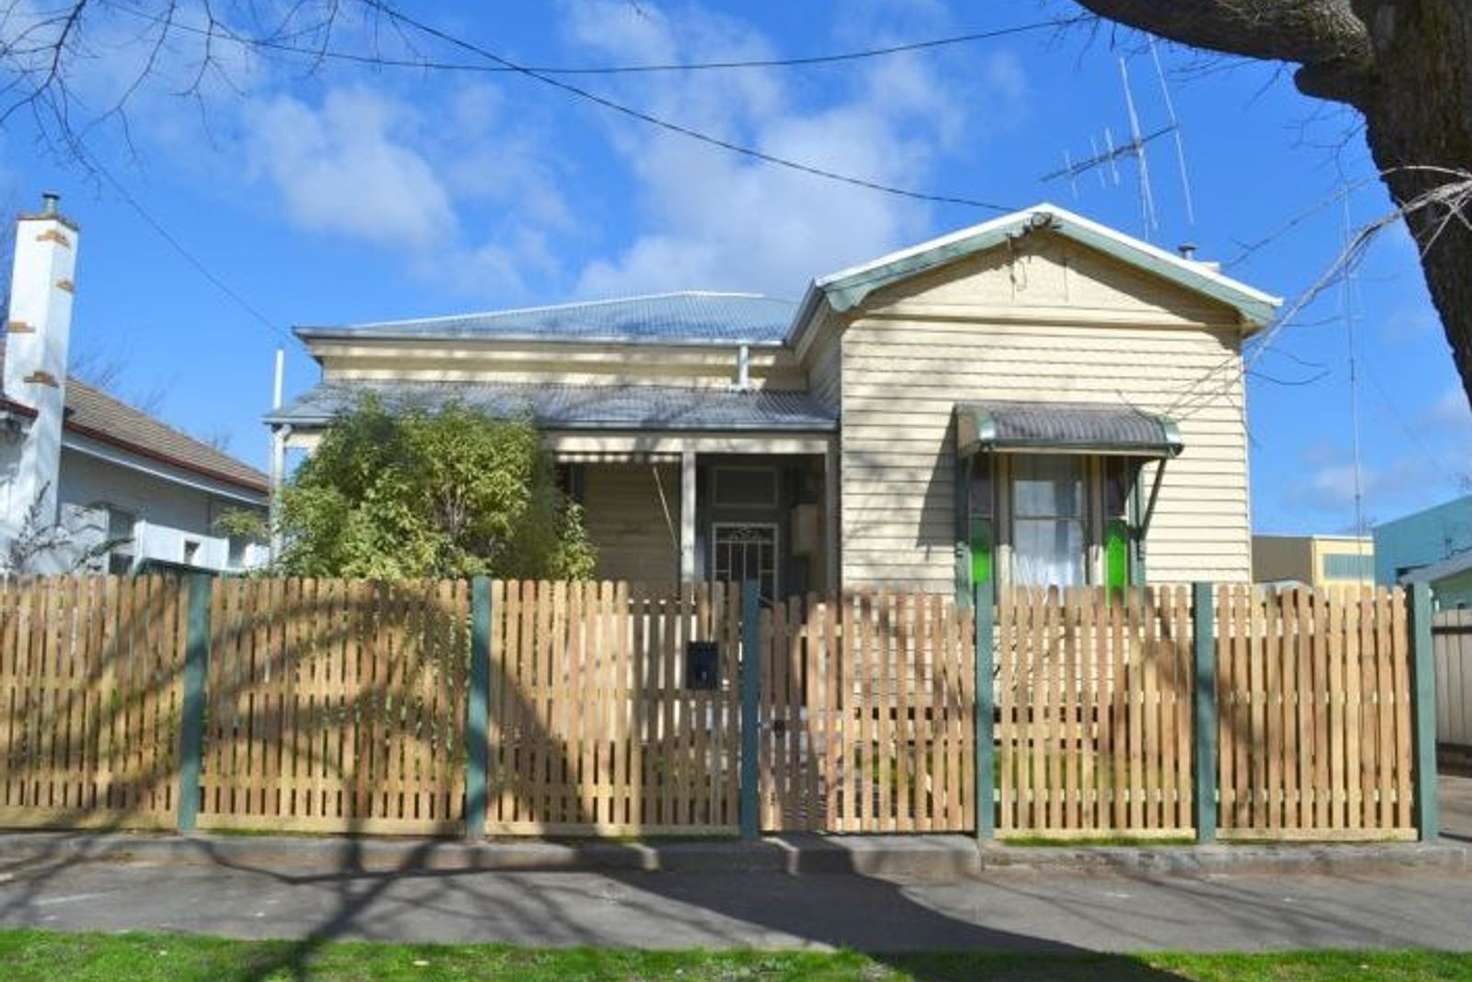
pixel 144 465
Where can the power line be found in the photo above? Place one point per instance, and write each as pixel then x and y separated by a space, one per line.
pixel 179 247
pixel 686 131
pixel 699 66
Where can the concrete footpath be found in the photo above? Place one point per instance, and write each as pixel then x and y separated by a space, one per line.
pixel 873 893
pixel 724 894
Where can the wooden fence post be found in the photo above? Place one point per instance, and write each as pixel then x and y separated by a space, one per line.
pixel 985 712
pixel 477 714
pixel 1203 613
pixel 751 680
pixel 191 725
pixel 1423 711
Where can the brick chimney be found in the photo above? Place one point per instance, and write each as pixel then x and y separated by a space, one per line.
pixel 38 330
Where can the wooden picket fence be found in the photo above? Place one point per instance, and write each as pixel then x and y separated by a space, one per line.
pixel 335 705
pixel 867 715
pixel 1314 717
pixel 89 701
pixel 1094 723
pixel 346 706
pixel 594 729
pixel 1452 642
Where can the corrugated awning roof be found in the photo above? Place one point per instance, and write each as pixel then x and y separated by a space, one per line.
pixel 579 407
pixel 1064 427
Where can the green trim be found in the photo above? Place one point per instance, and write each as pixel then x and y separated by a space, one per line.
pixel 1423 709
pixel 751 680
pixel 477 709
pixel 961 498
pixel 847 292
pixel 1204 624
pixel 191 724
pixel 985 714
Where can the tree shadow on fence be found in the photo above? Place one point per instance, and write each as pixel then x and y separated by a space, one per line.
pixel 363 750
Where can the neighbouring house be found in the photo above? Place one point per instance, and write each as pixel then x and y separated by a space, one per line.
pixel 1422 539
pixel 1317 561
pixel 1038 399
pixel 126 491
pixel 1450 580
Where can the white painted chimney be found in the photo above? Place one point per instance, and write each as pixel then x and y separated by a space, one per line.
pixel 37 334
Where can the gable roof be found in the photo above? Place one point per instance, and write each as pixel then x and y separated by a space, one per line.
pixel 687 317
pixel 848 288
pixel 93 413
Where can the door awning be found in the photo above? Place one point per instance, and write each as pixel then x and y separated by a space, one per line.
pixel 1064 427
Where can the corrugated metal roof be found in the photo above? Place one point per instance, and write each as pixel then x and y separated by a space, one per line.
pixel 560 406
pixel 92 412
pixel 688 317
pixel 1108 427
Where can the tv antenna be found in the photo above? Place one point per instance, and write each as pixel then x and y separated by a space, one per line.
pixel 1105 162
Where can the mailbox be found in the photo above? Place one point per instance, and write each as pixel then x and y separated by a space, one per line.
pixel 702 665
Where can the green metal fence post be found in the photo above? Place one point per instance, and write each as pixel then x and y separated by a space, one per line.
pixel 1203 614
pixel 477 713
pixel 191 725
pixel 985 712
pixel 1423 711
pixel 751 680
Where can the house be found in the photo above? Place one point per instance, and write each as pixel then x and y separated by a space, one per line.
pixel 1450 580
pixel 1035 399
pixel 1317 561
pixel 1422 539
pixel 76 461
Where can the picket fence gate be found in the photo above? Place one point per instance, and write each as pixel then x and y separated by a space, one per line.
pixel 554 708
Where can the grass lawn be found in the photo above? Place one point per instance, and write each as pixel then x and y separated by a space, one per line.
pixel 29 955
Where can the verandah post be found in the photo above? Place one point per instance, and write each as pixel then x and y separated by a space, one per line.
pixel 1423 712
pixel 985 711
pixel 751 676
pixel 477 714
pixel 1203 615
pixel 191 725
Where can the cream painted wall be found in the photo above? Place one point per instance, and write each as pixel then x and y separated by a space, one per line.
pixel 1048 321
pixel 624 519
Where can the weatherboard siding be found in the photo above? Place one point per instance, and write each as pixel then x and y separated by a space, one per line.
pixel 910 356
pixel 625 521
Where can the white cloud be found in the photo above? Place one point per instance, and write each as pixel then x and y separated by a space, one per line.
pixel 464 193
pixel 710 218
pixel 347 167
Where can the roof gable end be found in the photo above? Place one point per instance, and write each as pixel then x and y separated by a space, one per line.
pixel 848 288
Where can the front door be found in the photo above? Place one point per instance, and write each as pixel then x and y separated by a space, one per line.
pixel 747 551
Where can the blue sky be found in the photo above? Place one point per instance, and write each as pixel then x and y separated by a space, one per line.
pixel 346 194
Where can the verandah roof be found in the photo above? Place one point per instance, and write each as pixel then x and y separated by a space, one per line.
pixel 580 407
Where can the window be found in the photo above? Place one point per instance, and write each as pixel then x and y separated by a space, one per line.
pixel 746 551
pixel 236 551
pixel 191 552
pixel 746 486
pixel 120 533
pixel 1349 566
pixel 1049 520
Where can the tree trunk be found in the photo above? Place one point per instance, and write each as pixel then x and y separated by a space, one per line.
pixel 1419 113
